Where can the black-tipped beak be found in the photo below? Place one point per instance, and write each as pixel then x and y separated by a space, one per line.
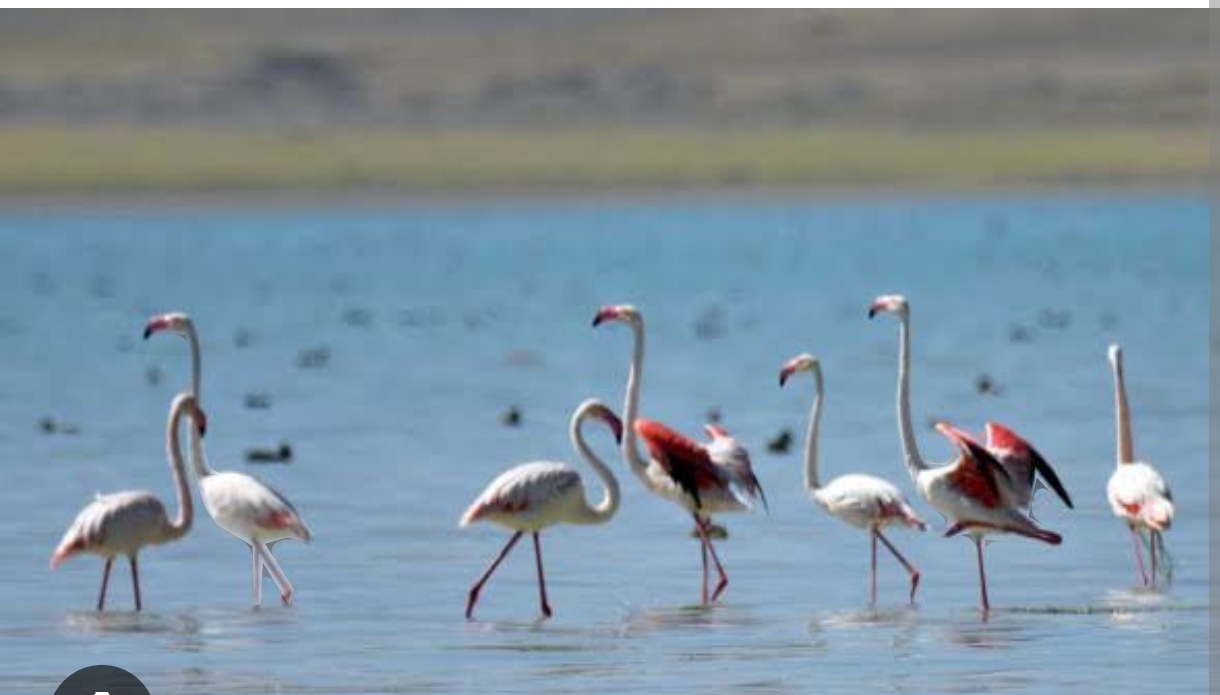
pixel 783 377
pixel 148 331
pixel 872 312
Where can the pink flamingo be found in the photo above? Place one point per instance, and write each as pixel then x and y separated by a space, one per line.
pixel 123 523
pixel 701 478
pixel 534 496
pixel 974 491
pixel 1027 470
pixel 864 501
pixel 1137 493
pixel 240 504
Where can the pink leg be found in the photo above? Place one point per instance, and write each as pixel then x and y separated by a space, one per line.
pixel 1152 541
pixel 546 607
pixel 907 565
pixel 473 597
pixel 711 549
pixel 101 597
pixel 135 581
pixel 872 574
pixel 1139 556
pixel 978 546
pixel 703 552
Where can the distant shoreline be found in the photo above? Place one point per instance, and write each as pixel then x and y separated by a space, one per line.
pixel 391 198
pixel 97 162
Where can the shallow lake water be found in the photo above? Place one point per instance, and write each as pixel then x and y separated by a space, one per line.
pixel 438 317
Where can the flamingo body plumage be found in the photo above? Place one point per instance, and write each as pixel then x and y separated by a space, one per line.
pixel 531 497
pixel 1137 493
pixel 701 478
pixel 124 523
pixel 864 501
pixel 974 492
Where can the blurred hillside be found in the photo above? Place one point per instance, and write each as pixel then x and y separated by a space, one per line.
pixel 307 86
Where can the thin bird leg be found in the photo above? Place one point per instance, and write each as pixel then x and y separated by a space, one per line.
pixel 907 565
pixel 872 575
pixel 101 597
pixel 711 549
pixel 257 565
pixel 1139 556
pixel 270 549
pixel 281 580
pixel 700 532
pixel 473 597
pixel 978 546
pixel 135 581
pixel 1152 541
pixel 546 606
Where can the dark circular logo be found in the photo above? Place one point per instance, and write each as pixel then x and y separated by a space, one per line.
pixel 101 680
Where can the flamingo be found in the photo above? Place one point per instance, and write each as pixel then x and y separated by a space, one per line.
pixel 864 501
pixel 701 478
pixel 1138 494
pixel 123 523
pixel 974 490
pixel 537 495
pixel 180 324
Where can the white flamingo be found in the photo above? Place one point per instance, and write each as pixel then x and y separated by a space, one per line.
pixel 864 501
pixel 534 496
pixel 702 479
pixel 974 491
pixel 1138 494
pixel 240 504
pixel 123 523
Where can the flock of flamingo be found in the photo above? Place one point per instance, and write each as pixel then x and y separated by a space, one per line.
pixel 986 489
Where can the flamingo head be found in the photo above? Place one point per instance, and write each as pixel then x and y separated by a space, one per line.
pixel 189 405
pixel 804 362
pixel 893 304
pixel 176 322
pixel 597 409
pixel 625 313
pixel 1115 354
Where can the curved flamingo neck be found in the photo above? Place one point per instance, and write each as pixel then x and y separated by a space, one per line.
pixel 812 482
pixel 631 404
pixel 1122 415
pixel 182 522
pixel 913 460
pixel 192 339
pixel 199 462
pixel 610 499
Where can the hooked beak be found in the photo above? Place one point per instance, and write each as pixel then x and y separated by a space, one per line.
pixel 787 371
pixel 875 308
pixel 606 313
pixel 158 323
pixel 616 426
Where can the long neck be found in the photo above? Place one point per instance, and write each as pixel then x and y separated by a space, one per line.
pixel 610 499
pixel 631 404
pixel 182 522
pixel 910 448
pixel 199 462
pixel 192 338
pixel 812 481
pixel 1122 416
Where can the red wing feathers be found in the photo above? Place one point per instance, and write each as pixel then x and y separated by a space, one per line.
pixel 684 460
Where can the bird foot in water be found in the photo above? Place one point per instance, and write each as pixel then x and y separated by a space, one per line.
pixel 714 531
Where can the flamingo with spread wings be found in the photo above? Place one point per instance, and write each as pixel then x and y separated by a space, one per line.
pixel 703 479
pixel 975 492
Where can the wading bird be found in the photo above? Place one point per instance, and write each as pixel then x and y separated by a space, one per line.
pixel 864 501
pixel 701 478
pixel 180 324
pixel 1138 494
pixel 974 491
pixel 123 523
pixel 533 496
